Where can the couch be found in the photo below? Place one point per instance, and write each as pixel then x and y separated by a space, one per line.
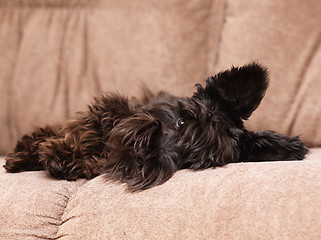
pixel 57 54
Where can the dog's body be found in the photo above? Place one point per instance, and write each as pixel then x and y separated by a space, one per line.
pixel 143 144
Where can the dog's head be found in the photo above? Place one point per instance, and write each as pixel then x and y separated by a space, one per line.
pixel 202 131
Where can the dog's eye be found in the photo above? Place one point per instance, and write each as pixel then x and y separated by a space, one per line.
pixel 180 122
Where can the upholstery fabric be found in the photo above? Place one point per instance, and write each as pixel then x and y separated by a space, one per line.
pixel 272 200
pixel 57 55
pixel 286 37
pixel 32 204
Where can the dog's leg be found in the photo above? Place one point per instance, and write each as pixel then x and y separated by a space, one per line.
pixel 65 160
pixel 270 146
pixel 81 152
pixel 78 150
pixel 25 156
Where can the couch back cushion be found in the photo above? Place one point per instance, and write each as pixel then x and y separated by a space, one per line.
pixel 57 55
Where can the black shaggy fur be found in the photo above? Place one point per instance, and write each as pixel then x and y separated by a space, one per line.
pixel 143 144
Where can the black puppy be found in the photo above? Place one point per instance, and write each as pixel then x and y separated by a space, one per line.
pixel 143 144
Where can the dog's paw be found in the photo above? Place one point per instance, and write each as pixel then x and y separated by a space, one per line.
pixel 21 161
pixel 296 149
pixel 57 158
pixel 62 169
pixel 271 146
pixel 62 161
pixel 15 162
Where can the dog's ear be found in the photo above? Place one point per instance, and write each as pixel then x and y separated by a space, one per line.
pixel 239 89
pixel 135 155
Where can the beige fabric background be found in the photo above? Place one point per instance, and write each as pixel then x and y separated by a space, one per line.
pixel 286 37
pixel 56 58
pixel 56 55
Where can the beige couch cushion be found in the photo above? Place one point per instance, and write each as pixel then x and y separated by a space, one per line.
pixel 272 200
pixel 32 204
